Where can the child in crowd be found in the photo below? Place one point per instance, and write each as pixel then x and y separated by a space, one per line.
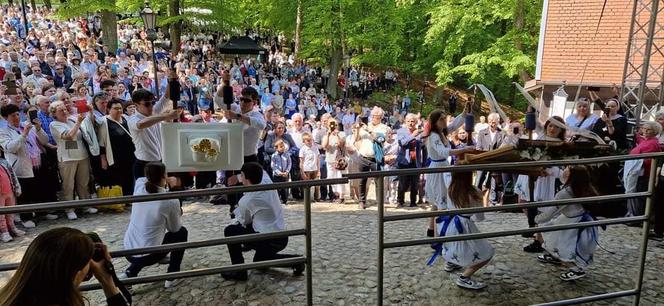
pixel 281 167
pixel 309 158
pixel 573 248
pixel 469 254
pixel 9 191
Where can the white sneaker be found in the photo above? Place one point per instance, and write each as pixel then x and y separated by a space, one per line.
pixel 29 224
pixel 466 282
pixel 6 237
pixel 91 210
pixel 17 232
pixel 71 215
pixel 171 283
pixel 51 217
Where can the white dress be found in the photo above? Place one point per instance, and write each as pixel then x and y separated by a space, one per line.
pixel 573 245
pixel 463 253
pixel 436 184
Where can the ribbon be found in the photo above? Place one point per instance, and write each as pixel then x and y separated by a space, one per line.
pixel 493 104
pixel 587 217
pixel 533 104
pixel 438 246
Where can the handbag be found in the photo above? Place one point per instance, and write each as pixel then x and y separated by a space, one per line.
pixel 341 162
pixel 111 192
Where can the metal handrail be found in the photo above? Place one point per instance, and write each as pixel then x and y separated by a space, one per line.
pixel 205 271
pixel 382 245
pixel 501 166
pixel 473 210
pixel 550 228
pixel 49 206
pixel 190 245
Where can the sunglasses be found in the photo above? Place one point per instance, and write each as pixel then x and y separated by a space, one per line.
pixel 246 100
pixel 148 103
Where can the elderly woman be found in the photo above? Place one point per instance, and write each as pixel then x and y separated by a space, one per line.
pixel 646 142
pixel 583 118
pixel 659 117
pixel 612 125
pixel 73 157
pixel 117 148
pixel 22 144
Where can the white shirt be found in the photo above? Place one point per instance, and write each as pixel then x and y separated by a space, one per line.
pixel 297 137
pixel 68 150
pixel 261 209
pixel 148 140
pixel 149 221
pixel 310 155
pixel 252 132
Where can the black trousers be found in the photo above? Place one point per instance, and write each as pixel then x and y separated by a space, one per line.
pixel 234 198
pixel 368 164
pixel 121 173
pixel 265 249
pixel 137 263
pixel 283 193
pixel 205 179
pixel 658 207
pixel 139 168
pixel 408 182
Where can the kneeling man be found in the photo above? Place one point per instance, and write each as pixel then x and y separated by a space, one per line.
pixel 257 212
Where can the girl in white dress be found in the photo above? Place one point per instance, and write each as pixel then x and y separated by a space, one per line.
pixel 439 149
pixel 471 254
pixel 545 185
pixel 574 248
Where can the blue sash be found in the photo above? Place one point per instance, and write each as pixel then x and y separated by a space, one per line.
pixel 445 220
pixel 586 217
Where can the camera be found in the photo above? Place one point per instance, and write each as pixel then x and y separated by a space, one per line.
pixel 333 126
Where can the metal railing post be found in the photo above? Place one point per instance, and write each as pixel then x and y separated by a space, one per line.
pixel 646 229
pixel 307 243
pixel 380 196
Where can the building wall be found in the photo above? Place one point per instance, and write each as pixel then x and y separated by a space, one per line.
pixel 570 42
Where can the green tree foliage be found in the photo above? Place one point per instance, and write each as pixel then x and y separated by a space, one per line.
pixel 481 42
pixel 493 42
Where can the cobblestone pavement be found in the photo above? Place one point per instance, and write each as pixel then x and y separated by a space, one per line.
pixel 344 266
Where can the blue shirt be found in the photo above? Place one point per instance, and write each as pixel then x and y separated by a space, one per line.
pixel 45 121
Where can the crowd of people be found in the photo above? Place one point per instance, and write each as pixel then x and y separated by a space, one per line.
pixel 77 117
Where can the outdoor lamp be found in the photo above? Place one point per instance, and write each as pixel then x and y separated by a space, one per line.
pixel 149 18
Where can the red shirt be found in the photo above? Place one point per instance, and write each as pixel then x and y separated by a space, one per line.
pixel 646 146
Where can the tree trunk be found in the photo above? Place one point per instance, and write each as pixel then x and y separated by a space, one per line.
pixel 109 28
pixel 519 24
pixel 176 28
pixel 10 2
pixel 47 3
pixel 33 4
pixel 336 55
pixel 298 28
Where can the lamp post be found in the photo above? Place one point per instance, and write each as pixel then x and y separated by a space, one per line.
pixel 25 19
pixel 149 23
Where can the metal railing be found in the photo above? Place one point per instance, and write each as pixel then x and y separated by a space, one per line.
pixel 136 200
pixel 382 245
pixel 381 218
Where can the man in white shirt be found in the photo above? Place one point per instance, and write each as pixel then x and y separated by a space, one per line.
pixel 257 212
pixel 254 124
pixel 144 127
pixel 367 138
